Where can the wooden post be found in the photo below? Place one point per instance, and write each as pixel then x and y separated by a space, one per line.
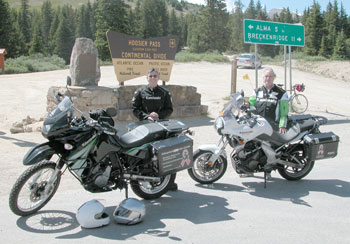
pixel 234 77
pixel 2 60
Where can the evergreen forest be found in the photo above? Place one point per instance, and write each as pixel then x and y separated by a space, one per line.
pixel 51 30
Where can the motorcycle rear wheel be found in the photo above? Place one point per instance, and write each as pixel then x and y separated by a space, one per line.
pixel 293 174
pixel 26 196
pixel 152 190
pixel 205 172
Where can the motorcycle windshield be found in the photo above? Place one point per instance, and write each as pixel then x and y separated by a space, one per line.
pixel 59 114
pixel 233 106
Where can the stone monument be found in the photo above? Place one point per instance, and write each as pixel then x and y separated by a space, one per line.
pixel 84 63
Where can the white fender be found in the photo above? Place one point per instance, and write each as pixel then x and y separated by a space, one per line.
pixel 214 149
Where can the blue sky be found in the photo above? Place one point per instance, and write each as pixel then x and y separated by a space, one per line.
pixel 293 5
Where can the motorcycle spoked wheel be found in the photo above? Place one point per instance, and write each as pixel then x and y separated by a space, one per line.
pixel 26 196
pixel 293 174
pixel 205 172
pixel 152 190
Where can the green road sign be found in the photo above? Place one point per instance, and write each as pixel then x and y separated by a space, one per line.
pixel 273 33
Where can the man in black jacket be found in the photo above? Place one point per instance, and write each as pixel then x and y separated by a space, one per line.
pixel 153 103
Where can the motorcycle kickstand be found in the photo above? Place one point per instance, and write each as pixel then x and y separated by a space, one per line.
pixel 265 176
pixel 126 190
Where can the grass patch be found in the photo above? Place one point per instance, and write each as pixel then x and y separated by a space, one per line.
pixel 212 57
pixel 34 63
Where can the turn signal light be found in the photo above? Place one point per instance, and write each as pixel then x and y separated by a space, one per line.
pixel 68 146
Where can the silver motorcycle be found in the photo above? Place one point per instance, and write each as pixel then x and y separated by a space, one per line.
pixel 256 147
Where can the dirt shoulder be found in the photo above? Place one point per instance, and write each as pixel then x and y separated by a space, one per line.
pixel 339 70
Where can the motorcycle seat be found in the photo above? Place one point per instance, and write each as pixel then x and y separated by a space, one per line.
pixel 305 121
pixel 280 139
pixel 142 135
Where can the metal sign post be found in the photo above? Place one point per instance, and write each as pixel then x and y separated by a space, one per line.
pixel 285 66
pixel 290 69
pixel 256 68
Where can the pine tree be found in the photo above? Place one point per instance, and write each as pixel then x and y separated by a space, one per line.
pixel 110 15
pixel 261 14
pixel 184 31
pixel 313 35
pixel 11 37
pixel 136 23
pixel 210 28
pixel 150 21
pixel 83 23
pixel 343 19
pixel 92 11
pixel 340 49
pixel 174 26
pixel 64 38
pixel 163 17
pixel 236 27
pixel 53 29
pixel 250 12
pixel 24 21
pixel 5 24
pixel 286 16
pixel 38 43
pixel 325 48
pixel 46 17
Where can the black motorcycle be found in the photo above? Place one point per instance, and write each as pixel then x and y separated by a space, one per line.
pixel 146 158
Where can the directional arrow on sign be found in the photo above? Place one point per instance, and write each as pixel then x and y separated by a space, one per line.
pixel 299 39
pixel 250 27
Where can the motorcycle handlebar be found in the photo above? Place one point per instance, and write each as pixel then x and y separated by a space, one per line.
pixel 104 127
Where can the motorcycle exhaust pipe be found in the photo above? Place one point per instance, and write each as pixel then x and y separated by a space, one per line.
pixel 140 177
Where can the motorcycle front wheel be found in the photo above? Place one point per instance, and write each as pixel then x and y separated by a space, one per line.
pixel 31 191
pixel 205 171
pixel 293 174
pixel 152 190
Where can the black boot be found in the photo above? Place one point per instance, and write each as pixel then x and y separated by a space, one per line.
pixel 172 187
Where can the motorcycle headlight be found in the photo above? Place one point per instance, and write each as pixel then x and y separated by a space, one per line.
pixel 219 124
pixel 46 129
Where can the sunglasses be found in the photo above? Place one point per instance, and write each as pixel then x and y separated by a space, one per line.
pixel 153 76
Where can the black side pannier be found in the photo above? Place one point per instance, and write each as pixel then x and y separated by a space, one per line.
pixel 321 146
pixel 173 154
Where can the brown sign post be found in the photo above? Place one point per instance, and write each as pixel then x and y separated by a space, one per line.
pixel 133 56
pixel 2 59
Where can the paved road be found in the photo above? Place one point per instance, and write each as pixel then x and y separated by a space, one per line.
pixel 233 210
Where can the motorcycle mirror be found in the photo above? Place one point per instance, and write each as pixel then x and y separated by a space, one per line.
pixel 111 111
pixel 69 81
pixel 242 93
pixel 58 97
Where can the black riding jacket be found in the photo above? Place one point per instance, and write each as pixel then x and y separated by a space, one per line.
pixel 273 104
pixel 147 100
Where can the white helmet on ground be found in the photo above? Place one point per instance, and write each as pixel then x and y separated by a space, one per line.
pixel 91 215
pixel 130 211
